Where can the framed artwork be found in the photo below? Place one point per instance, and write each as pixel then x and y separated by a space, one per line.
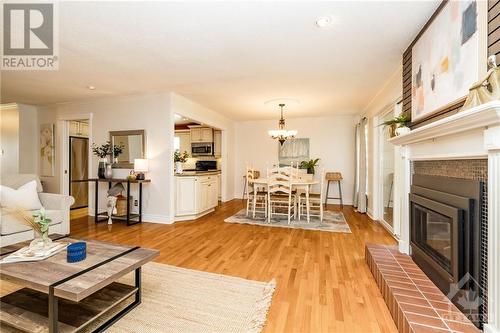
pixel 296 151
pixel 47 151
pixel 448 58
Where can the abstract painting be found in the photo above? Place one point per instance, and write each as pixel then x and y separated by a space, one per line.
pixel 445 59
pixel 293 151
pixel 47 158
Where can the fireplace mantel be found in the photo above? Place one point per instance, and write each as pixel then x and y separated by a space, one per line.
pixel 469 134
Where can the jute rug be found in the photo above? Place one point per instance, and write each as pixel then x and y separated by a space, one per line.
pixel 332 221
pixel 182 300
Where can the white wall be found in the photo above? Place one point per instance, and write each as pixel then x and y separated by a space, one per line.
pixel 9 139
pixel 331 140
pixel 150 112
pixel 19 138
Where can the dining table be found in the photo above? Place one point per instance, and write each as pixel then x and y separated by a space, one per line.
pixel 299 183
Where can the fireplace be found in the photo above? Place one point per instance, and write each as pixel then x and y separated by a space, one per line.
pixel 445 237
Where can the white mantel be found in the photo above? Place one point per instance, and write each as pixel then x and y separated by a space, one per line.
pixel 469 134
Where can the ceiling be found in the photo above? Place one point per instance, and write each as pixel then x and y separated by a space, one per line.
pixel 229 56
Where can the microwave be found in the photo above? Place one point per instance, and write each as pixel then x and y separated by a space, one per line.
pixel 202 149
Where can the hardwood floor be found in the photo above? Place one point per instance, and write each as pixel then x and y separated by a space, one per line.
pixel 323 282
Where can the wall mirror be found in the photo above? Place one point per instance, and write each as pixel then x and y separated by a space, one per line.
pixel 132 144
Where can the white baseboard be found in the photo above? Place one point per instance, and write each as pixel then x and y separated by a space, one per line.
pixel 404 247
pixel 488 328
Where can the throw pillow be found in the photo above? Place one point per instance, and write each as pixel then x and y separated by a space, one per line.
pixel 25 197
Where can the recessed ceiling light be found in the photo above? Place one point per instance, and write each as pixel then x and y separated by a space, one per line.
pixel 324 21
pixel 91 87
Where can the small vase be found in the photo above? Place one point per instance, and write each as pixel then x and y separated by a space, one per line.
pixel 41 241
pixel 108 174
pixel 402 130
pixel 101 170
pixel 178 167
pixel 115 160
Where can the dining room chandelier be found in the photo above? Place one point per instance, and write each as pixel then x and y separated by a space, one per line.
pixel 282 134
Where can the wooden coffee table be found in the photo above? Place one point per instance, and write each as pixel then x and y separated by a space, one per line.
pixel 65 297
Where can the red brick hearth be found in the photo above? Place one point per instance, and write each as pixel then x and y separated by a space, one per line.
pixel 415 303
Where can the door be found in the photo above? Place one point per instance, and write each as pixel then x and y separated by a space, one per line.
pixel 207 135
pixel 195 134
pixel 78 170
pixel 217 143
pixel 386 173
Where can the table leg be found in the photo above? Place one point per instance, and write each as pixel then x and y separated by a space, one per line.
pixel 307 202
pixel 53 312
pixel 140 202
pixel 96 204
pixel 128 202
pixel 138 285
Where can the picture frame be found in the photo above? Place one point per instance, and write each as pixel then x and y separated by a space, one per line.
pixel 47 150
pixel 441 74
pixel 293 151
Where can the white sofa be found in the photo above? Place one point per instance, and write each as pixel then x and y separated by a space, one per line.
pixel 57 207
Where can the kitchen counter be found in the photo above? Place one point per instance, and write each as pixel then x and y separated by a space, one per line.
pixel 198 173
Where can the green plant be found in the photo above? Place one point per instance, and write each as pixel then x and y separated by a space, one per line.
pixel 103 150
pixel 117 150
pixel 402 120
pixel 309 165
pixel 181 157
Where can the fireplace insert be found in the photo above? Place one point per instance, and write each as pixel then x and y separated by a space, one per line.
pixel 445 231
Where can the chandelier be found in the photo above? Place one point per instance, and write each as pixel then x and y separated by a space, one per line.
pixel 281 134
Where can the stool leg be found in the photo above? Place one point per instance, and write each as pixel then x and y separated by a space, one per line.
pixel 340 195
pixel 244 189
pixel 326 196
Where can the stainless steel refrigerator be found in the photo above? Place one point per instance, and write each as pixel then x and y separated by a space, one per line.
pixel 78 169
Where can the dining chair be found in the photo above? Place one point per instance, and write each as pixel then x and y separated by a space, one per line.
pixel 256 199
pixel 256 174
pixel 315 200
pixel 279 194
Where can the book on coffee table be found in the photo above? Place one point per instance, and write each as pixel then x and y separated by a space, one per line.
pixel 27 254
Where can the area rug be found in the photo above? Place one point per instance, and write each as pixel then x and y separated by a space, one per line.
pixel 183 300
pixel 332 221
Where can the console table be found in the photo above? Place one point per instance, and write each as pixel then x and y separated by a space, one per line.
pixel 129 217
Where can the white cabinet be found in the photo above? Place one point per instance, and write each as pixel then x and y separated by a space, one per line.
pixel 195 196
pixel 184 140
pixel 185 203
pixel 201 134
pixel 78 128
pixel 217 143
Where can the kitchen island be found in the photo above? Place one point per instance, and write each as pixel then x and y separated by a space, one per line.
pixel 196 194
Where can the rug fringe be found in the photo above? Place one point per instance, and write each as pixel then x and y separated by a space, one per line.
pixel 262 308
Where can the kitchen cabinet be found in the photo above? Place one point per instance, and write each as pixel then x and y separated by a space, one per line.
pixel 201 134
pixel 195 196
pixel 217 143
pixel 184 140
pixel 78 128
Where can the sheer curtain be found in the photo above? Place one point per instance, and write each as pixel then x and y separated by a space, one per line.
pixel 359 200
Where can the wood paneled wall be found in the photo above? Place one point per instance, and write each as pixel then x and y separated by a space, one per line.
pixel 493 49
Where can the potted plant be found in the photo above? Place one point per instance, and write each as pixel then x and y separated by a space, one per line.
pixel 117 151
pixel 39 222
pixel 180 158
pixel 398 125
pixel 102 151
pixel 309 165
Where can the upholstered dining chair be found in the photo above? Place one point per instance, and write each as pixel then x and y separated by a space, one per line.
pixel 256 199
pixel 315 200
pixel 279 194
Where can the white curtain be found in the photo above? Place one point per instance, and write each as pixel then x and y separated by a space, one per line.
pixel 360 179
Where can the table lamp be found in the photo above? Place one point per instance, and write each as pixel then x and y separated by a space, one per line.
pixel 140 166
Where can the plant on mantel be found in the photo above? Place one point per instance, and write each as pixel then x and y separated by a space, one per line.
pixel 400 122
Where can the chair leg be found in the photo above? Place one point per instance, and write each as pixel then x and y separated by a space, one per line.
pixel 244 189
pixel 326 196
pixel 254 202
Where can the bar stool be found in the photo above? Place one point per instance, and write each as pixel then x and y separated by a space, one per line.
pixel 256 174
pixel 334 177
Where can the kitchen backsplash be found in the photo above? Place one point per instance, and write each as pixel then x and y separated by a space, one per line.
pixel 191 162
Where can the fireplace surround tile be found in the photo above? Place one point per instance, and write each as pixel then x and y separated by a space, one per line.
pixel 415 303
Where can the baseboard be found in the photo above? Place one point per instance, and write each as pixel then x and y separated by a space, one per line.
pixel 488 328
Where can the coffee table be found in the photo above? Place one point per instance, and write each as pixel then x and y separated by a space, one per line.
pixel 65 297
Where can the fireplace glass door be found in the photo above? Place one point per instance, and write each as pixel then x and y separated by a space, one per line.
pixel 435 236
